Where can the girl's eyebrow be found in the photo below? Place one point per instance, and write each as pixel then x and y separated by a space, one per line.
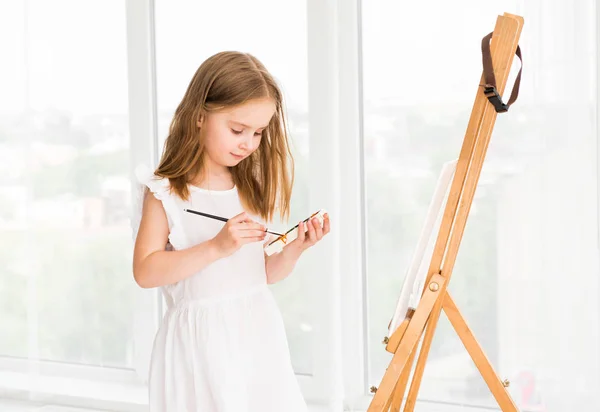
pixel 246 126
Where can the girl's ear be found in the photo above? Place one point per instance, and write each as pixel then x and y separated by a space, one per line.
pixel 200 122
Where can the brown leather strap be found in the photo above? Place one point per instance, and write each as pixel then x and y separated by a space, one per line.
pixel 490 80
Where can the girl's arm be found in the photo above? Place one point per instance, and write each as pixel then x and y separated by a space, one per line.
pixel 154 266
pixel 280 265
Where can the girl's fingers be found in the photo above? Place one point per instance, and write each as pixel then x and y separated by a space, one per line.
pixel 246 225
pixel 252 233
pixel 251 226
pixel 318 229
pixel 326 224
pixel 252 239
pixel 301 235
pixel 312 235
pixel 240 218
pixel 243 221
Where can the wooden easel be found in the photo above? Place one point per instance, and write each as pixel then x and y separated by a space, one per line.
pixel 404 341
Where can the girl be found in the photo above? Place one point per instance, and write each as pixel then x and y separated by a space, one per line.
pixel 222 345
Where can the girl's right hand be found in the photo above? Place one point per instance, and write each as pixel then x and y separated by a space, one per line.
pixel 238 231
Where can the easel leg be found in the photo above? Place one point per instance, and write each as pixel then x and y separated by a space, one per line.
pixel 401 385
pixel 415 384
pixel 479 358
pixel 383 396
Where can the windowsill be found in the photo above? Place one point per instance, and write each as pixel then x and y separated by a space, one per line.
pixel 82 393
pixel 24 392
pixel 37 406
pixel 30 391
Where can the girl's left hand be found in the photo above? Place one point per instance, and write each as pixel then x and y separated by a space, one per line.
pixel 307 238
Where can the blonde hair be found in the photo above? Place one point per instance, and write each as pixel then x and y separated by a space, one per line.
pixel 264 179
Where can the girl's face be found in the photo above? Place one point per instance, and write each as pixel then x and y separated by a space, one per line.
pixel 232 134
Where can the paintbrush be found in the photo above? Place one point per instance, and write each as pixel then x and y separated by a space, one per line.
pixel 222 219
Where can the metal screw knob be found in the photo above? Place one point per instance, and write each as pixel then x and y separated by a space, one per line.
pixel 434 287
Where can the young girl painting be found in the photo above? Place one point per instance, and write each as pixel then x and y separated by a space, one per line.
pixel 221 346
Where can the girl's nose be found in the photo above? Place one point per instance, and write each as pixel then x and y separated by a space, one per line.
pixel 246 143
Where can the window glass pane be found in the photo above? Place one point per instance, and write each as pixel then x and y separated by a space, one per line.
pixel 526 277
pixel 65 280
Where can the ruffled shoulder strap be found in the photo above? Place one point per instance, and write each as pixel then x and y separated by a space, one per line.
pixel 160 188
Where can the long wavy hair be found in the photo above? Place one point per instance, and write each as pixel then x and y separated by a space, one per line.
pixel 264 179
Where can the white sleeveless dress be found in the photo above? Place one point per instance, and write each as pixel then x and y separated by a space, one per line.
pixel 222 345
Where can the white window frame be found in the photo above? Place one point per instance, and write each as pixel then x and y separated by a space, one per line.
pixel 143 130
pixel 336 164
pixel 597 131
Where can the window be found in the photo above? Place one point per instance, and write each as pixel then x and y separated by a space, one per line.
pixel 66 288
pixel 530 244
pixel 526 277
pixel 65 188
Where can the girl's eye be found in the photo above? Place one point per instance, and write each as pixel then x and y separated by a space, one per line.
pixel 241 131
